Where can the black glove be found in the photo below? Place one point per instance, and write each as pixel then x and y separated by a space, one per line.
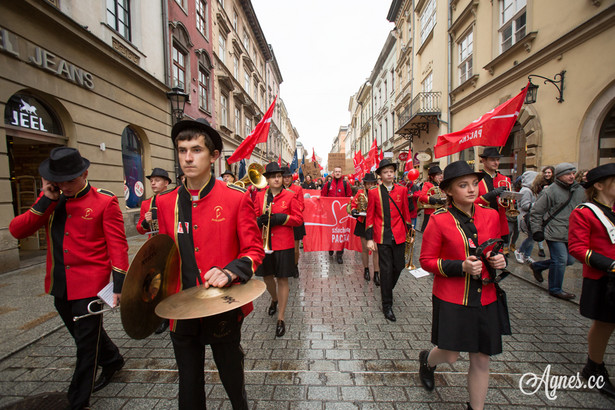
pixel 538 236
pixel 354 213
pixel 278 219
pixel 436 201
pixel 262 220
pixel 491 195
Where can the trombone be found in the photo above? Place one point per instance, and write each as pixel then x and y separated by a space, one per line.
pixel 507 203
pixel 94 312
pixel 254 177
pixel 433 191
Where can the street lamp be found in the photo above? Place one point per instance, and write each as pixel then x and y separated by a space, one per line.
pixel 532 91
pixel 178 101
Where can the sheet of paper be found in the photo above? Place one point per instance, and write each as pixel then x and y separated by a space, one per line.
pixel 419 273
pixel 106 294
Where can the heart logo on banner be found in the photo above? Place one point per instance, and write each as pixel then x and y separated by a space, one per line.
pixel 336 207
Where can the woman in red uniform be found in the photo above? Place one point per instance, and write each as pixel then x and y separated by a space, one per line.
pixel 298 231
pixel 278 266
pixel 465 313
pixel 369 180
pixel 590 242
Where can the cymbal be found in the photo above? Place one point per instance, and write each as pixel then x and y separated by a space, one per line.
pixel 152 276
pixel 199 301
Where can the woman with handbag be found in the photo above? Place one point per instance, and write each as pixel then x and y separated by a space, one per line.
pixel 591 239
pixel 466 317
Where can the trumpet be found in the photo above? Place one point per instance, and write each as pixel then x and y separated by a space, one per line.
pixel 433 191
pixel 265 232
pixel 253 177
pixel 507 203
pixel 361 204
pixel 409 251
pixel 94 312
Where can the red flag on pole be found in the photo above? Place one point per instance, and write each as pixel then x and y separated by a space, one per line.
pixel 358 162
pixel 280 161
pixel 409 161
pixel 258 135
pixel 372 157
pixel 491 129
pixel 381 155
pixel 313 155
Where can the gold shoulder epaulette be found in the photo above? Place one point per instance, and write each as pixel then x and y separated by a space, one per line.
pixel 440 211
pixel 373 187
pixel 105 192
pixel 235 187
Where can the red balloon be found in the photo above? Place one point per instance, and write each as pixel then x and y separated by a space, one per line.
pixel 413 174
pixel 295 176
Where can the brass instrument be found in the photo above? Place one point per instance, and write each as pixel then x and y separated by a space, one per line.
pixel 409 251
pixel 253 177
pixel 92 312
pixel 433 191
pixel 361 204
pixel 265 232
pixel 507 203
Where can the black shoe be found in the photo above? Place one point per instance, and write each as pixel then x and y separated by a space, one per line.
pixel 272 308
pixel 163 326
pixel 280 329
pixel 426 373
pixel 541 253
pixel 537 273
pixel 330 253
pixel 563 295
pixel 339 259
pixel 594 369
pixel 376 278
pixel 469 407
pixel 389 315
pixel 106 375
pixel 366 274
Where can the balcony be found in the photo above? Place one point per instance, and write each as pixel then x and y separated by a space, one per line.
pixel 424 109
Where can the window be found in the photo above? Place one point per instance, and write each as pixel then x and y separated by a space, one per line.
pixel 512 22
pixel 133 167
pixel 386 90
pixel 248 126
pixel 255 91
pixel 118 16
pixel 201 17
pixel 223 110
pixel 392 80
pixel 237 120
pixel 222 48
pixel 236 66
pixel 179 68
pixel 386 129
pixel 246 82
pixel 428 19
pixel 427 84
pixel 235 19
pixel 246 41
pixel 465 57
pixel 203 90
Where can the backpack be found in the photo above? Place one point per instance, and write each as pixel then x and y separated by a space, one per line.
pixel 345 186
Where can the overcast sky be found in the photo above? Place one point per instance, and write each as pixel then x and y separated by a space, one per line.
pixel 325 49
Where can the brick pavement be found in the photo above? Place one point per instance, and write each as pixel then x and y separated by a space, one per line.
pixel 338 353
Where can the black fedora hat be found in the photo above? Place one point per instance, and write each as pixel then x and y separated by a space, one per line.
pixel 272 168
pixel 490 152
pixel 386 162
pixel 227 172
pixel 63 164
pixel 200 124
pixel 458 169
pixel 434 170
pixel 159 172
pixel 370 177
pixel 286 172
pixel 599 173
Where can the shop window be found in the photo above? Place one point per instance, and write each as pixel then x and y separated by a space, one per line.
pixel 25 111
pixel 132 159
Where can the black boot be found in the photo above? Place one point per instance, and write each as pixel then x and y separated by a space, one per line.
pixel 599 371
pixel 272 308
pixel 366 274
pixel 376 278
pixel 426 373
pixel 469 406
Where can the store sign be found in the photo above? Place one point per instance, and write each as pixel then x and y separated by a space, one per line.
pixel 403 156
pixel 27 118
pixel 22 49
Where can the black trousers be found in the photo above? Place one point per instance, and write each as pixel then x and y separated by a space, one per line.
pixel 190 358
pixel 391 260
pixel 93 348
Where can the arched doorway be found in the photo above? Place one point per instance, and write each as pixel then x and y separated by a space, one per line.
pixel 606 139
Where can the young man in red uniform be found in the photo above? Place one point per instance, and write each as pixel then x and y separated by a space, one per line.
pixel 159 181
pixel 387 224
pixel 337 187
pixel 435 176
pixel 219 244
pixel 86 243
pixel 278 266
pixel 299 231
pixel 492 185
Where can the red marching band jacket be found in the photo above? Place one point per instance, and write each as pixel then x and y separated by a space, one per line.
pixel 145 207
pixel 282 236
pixel 425 199
pixel 483 189
pixel 375 213
pixel 223 229
pixel 299 193
pixel 336 188
pixel 445 247
pixel 92 240
pixel 589 242
pixel 353 203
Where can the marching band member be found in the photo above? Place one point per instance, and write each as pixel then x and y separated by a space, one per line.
pixel 336 187
pixel 369 181
pixel 298 231
pixel 591 239
pixel 387 224
pixel 491 187
pixel 85 244
pixel 435 176
pixel 213 226
pixel 278 266
pixel 465 312
pixel 159 181
pixel 228 177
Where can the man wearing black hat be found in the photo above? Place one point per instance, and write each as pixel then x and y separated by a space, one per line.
pixel 86 243
pixel 159 181
pixel 434 200
pixel 491 187
pixel 214 227
pixel 228 177
pixel 387 224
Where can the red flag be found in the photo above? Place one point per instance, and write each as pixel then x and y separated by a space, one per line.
pixel 280 161
pixel 409 161
pixel 381 155
pixel 372 157
pixel 259 134
pixel 313 155
pixel 358 162
pixel 491 129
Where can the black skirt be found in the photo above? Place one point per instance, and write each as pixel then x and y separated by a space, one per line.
pixel 359 229
pixel 466 328
pixel 299 232
pixel 281 264
pixel 594 302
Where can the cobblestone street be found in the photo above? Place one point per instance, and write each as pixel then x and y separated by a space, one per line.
pixel 338 352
